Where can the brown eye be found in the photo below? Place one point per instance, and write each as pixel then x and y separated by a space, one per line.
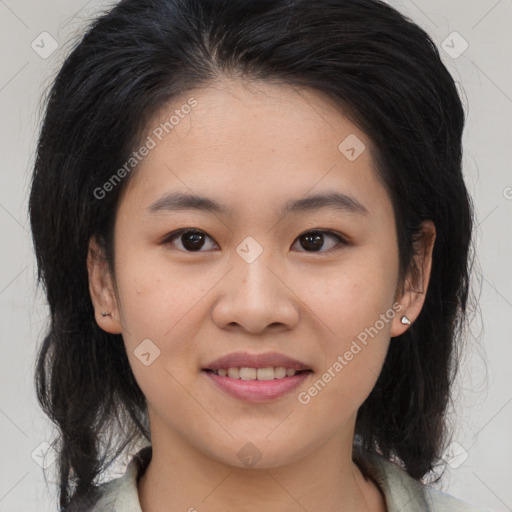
pixel 314 241
pixel 190 240
pixel 195 240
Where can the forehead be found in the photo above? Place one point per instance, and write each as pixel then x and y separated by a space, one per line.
pixel 253 145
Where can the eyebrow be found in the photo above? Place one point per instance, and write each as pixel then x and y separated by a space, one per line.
pixel 327 200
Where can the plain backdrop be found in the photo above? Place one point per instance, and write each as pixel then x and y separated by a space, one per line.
pixel 474 38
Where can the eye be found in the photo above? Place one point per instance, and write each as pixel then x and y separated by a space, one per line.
pixel 191 240
pixel 314 240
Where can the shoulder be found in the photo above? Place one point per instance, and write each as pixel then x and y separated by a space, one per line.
pixel 120 494
pixel 405 494
pixel 402 492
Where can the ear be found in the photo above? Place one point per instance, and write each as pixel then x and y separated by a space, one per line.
pixel 101 289
pixel 413 293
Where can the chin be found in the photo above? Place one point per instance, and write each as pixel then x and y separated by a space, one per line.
pixel 259 453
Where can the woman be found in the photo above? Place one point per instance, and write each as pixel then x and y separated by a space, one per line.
pixel 254 234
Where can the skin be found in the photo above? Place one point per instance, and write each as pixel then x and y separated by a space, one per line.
pixel 253 146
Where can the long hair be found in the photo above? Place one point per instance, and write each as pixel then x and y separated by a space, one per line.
pixel 386 75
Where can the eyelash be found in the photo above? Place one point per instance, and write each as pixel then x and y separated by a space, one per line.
pixel 168 239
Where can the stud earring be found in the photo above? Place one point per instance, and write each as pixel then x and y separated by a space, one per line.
pixel 405 320
pixel 103 313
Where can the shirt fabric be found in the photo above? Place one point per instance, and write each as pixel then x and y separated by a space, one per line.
pixel 402 492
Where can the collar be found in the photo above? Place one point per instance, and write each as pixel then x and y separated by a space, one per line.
pixel 401 492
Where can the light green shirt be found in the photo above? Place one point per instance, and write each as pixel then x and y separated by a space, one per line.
pixel 402 492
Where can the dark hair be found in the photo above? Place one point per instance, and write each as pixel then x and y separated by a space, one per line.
pixel 386 75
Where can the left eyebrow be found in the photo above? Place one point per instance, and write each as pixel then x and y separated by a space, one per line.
pixel 326 200
pixel 331 200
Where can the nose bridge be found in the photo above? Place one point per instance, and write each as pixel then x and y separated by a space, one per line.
pixel 252 264
pixel 253 295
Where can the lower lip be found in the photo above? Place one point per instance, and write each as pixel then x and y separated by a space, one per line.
pixel 257 390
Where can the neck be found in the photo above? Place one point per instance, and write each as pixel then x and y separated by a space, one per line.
pixel 181 478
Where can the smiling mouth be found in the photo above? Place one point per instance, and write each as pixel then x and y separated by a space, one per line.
pixel 261 374
pixel 257 384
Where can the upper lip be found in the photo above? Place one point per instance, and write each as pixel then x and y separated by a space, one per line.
pixel 246 360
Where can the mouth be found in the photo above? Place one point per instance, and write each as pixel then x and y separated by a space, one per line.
pixel 256 385
pixel 266 364
pixel 256 377
pixel 260 374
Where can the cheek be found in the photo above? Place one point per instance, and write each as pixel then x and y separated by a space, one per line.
pixel 157 296
pixel 352 311
pixel 349 297
pixel 160 308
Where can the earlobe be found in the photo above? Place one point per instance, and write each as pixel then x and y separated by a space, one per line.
pixel 416 284
pixel 101 289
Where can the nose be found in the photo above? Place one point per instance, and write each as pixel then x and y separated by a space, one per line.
pixel 255 296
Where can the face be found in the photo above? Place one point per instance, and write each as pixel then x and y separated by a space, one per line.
pixel 267 271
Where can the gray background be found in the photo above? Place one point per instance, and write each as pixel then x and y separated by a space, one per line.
pixel 479 465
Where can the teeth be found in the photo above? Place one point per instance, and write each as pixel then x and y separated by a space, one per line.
pixel 234 373
pixel 280 372
pixel 248 373
pixel 265 373
pixel 269 373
